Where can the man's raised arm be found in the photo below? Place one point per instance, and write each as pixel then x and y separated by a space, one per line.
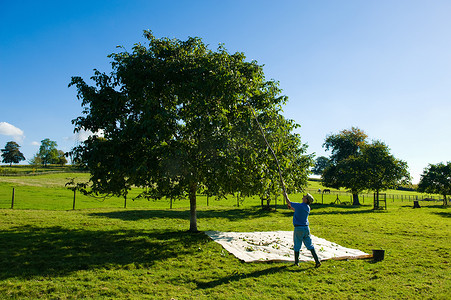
pixel 287 200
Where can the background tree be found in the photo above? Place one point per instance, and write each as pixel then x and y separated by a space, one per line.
pixel 47 154
pixel 11 154
pixel 381 169
pixel 346 143
pixel 436 179
pixel 62 160
pixel 344 168
pixel 35 160
pixel 357 165
pixel 321 163
pixel 177 121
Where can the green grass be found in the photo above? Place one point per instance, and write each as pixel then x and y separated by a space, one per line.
pixel 103 251
pixel 48 192
pixel 147 253
pixel 34 170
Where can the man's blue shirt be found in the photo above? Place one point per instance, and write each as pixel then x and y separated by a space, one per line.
pixel 301 212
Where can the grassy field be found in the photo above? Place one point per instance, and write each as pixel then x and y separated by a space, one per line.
pixel 48 192
pixel 144 251
pixel 34 169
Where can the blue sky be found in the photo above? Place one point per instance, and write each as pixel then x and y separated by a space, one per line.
pixel 383 66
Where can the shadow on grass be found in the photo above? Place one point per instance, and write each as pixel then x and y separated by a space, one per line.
pixel 345 206
pixel 136 215
pixel 444 214
pixel 424 205
pixel 230 214
pixel 235 214
pixel 239 276
pixel 30 251
pixel 347 212
pixel 322 209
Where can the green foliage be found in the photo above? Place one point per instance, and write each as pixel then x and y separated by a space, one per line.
pixel 358 165
pixel 47 154
pixel 344 169
pixel 11 153
pixel 321 163
pixel 61 160
pixel 345 144
pixel 35 161
pixel 436 178
pixel 382 170
pixel 175 120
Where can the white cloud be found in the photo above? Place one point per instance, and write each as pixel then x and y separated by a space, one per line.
pixel 11 130
pixel 83 135
pixel 35 143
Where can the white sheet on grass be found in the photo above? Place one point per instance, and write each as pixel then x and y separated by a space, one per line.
pixel 276 246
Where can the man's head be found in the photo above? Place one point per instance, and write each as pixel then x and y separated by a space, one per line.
pixel 308 199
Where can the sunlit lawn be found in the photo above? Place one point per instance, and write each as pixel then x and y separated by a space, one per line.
pixel 103 250
pixel 49 192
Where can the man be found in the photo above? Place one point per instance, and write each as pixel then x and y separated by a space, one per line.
pixel 301 227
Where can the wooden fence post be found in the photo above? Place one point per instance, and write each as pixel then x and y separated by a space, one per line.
pixel 73 205
pixel 12 200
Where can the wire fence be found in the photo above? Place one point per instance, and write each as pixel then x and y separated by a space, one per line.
pixel 65 199
pixel 345 196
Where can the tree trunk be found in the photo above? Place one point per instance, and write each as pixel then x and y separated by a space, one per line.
pixel 265 203
pixel 192 205
pixel 445 200
pixel 355 199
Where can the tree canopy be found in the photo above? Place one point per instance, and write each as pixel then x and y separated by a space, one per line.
pixel 344 169
pixel 381 169
pixel 358 165
pixel 176 120
pixel 61 160
pixel 346 143
pixel 11 153
pixel 47 154
pixel 436 178
pixel 321 163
